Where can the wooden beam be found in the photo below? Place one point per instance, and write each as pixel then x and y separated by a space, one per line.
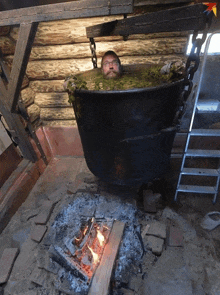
pixel 185 18
pixel 17 131
pixel 16 127
pixel 102 276
pixel 158 2
pixel 22 52
pixel 66 10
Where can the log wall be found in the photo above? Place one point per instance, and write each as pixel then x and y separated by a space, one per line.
pixel 61 48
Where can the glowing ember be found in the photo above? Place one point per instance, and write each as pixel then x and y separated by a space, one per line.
pixel 100 237
pixel 94 255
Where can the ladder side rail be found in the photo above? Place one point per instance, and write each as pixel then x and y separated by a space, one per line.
pixel 200 80
pixel 193 116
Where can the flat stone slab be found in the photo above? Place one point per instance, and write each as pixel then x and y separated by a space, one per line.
pixel 157 229
pixel 6 263
pixel 154 244
pixel 45 212
pixel 38 232
pixel 169 276
pixel 40 277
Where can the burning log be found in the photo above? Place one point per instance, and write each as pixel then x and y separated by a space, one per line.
pixel 102 276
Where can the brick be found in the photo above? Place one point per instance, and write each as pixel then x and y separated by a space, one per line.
pixel 45 212
pixel 38 232
pixel 175 237
pixel 154 244
pixel 157 229
pixel 6 263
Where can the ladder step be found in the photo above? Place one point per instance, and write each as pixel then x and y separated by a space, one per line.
pixel 200 171
pixel 197 189
pixel 205 132
pixel 203 153
pixel 208 106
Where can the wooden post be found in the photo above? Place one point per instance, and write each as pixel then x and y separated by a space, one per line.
pixel 22 52
pixel 16 127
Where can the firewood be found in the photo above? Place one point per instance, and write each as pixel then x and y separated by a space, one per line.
pixel 102 276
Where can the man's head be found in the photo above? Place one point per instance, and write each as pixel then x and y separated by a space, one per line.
pixel 111 65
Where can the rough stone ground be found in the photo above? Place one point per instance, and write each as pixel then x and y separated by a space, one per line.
pixel 192 268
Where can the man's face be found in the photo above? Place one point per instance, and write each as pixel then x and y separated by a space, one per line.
pixel 110 67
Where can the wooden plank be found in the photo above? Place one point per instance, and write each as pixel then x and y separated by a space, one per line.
pixel 158 2
pixel 22 52
pixel 17 194
pixel 17 130
pixel 9 160
pixel 15 174
pixel 102 276
pixel 66 10
pixel 185 18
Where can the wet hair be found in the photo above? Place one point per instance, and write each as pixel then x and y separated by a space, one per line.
pixel 110 52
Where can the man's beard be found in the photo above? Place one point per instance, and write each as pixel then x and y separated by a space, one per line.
pixel 112 74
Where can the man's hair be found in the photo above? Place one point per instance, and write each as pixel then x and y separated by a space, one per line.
pixel 110 52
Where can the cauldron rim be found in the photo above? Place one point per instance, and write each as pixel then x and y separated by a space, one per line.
pixel 132 90
pixel 128 69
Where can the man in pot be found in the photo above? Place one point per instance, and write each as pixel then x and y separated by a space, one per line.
pixel 111 65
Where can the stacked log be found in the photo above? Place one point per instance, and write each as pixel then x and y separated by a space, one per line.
pixel 61 48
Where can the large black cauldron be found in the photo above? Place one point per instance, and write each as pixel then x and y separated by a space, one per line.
pixel 121 131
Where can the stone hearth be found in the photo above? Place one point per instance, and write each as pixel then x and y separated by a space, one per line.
pixel 162 252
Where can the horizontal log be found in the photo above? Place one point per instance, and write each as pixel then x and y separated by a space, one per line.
pixel 74 31
pixel 49 70
pixel 66 10
pixel 47 86
pixel 33 112
pixel 48 100
pixel 58 123
pixel 64 31
pixel 55 69
pixel 131 47
pixel 52 114
pixel 4 31
pixel 27 96
pixel 7 45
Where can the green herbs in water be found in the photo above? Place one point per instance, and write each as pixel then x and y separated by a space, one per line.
pixel 94 80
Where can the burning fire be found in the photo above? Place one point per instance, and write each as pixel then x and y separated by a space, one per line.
pixel 100 237
pixel 94 255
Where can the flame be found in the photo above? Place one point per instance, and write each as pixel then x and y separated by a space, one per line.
pixel 94 255
pixel 100 237
pixel 85 230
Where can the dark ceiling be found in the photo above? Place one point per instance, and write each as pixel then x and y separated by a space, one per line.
pixel 15 4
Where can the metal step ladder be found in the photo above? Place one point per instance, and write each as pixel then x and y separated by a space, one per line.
pixel 190 153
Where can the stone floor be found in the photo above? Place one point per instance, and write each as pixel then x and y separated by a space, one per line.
pixel 188 262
